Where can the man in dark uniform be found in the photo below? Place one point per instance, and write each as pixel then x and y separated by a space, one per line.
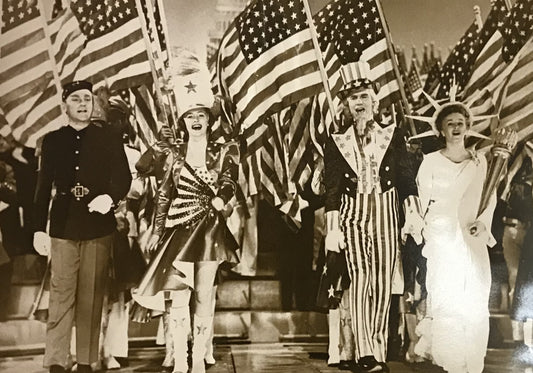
pixel 86 164
pixel 366 178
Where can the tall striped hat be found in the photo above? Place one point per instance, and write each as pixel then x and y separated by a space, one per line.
pixel 357 75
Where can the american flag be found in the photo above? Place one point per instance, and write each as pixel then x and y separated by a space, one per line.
pixel 266 60
pixel 352 30
pixel 517 106
pixel 101 42
pixel 458 65
pixel 489 62
pixel 517 28
pixel 28 95
pixel 154 26
pixel 413 81
pixel 145 112
pixel 500 84
pixel 431 81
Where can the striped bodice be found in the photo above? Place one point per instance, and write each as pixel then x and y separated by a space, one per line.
pixel 194 192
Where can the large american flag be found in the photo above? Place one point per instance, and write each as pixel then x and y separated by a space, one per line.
pixel 114 50
pixel 352 30
pixel 349 31
pixel 502 77
pixel 517 105
pixel 266 60
pixel 99 41
pixel 28 94
pixel 489 62
pixel 458 66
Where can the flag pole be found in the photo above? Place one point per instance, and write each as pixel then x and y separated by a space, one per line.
pixel 322 69
pixel 166 34
pixel 51 55
pixel 159 94
pixel 403 96
pixel 164 26
pixel 150 12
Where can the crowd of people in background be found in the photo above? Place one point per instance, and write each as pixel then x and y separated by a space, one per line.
pixel 137 249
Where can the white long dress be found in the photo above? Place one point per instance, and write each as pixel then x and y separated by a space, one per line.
pixel 458 269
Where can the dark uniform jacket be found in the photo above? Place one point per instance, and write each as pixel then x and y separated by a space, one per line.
pixel 93 160
pixel 395 171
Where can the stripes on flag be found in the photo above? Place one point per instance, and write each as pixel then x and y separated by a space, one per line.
pixel 102 43
pixel 145 112
pixel 27 90
pixel 413 81
pixel 262 80
pixel 352 30
pixel 517 107
pixel 489 62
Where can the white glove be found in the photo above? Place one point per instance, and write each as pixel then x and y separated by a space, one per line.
pixel 414 225
pixel 102 204
pixel 218 203
pixel 152 243
pixel 335 240
pixel 42 243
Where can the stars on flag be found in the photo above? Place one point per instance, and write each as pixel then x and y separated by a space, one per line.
pixel 350 26
pixel 264 24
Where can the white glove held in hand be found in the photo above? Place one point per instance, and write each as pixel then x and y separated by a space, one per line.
pixel 102 204
pixel 218 203
pixel 42 243
pixel 335 240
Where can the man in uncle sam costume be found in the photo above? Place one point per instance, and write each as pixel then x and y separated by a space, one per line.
pixel 366 176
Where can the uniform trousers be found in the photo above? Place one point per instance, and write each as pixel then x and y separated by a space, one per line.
pixel 79 272
pixel 370 226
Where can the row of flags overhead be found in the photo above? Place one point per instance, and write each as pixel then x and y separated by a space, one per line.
pixel 266 70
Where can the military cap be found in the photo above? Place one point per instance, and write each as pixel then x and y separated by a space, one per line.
pixel 74 86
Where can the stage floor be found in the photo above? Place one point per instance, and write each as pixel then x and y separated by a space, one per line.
pixel 263 358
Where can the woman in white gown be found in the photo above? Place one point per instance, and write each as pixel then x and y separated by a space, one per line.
pixel 450 181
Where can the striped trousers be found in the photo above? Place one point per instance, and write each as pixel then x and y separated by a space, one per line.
pixel 370 225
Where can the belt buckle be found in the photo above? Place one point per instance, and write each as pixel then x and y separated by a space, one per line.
pixel 79 191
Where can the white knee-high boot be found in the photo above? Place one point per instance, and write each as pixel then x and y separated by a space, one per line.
pixel 200 337
pixel 180 323
pixel 209 352
pixel 168 362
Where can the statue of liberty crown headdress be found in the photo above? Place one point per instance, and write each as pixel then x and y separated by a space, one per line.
pixel 439 107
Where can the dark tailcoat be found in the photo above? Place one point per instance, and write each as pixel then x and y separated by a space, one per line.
pixel 395 171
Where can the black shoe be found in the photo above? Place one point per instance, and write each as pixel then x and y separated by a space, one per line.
pixel 84 368
pixel 57 369
pixel 123 361
pixel 370 364
pixel 346 364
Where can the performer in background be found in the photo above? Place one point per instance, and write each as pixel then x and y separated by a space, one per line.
pixel 190 235
pixel 366 179
pixel 86 164
pixel 450 182
pixel 517 220
pixel 127 262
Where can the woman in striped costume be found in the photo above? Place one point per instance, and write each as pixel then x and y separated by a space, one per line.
pixel 190 237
